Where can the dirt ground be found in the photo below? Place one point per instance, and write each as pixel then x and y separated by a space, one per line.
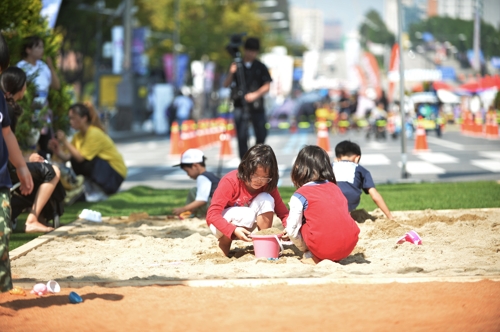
pixel 472 306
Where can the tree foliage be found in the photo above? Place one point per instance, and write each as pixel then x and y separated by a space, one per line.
pixel 79 22
pixel 204 26
pixel 453 29
pixel 373 29
pixel 21 19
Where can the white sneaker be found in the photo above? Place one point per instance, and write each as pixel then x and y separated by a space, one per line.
pixel 91 215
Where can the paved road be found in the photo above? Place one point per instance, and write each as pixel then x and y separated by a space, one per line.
pixel 453 157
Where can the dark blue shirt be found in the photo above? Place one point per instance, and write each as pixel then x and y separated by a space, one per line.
pixel 4 153
pixel 214 179
pixel 352 179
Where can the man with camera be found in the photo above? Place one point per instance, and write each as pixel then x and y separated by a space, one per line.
pixel 250 81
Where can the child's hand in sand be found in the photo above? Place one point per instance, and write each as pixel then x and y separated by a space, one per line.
pixel 241 234
pixel 284 236
pixel 178 211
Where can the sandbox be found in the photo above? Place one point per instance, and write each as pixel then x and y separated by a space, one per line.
pixel 459 245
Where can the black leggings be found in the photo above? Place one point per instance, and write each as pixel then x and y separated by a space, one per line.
pixel 100 172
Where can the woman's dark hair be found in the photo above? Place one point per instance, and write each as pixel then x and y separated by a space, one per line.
pixel 259 155
pixel 12 81
pixel 312 164
pixel 4 54
pixel 88 111
pixel 30 42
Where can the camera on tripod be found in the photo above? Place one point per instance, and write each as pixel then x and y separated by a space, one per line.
pixel 235 41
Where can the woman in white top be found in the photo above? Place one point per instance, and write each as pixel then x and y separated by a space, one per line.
pixel 43 75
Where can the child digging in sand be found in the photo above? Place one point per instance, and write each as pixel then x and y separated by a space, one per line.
pixel 319 223
pixel 199 197
pixel 353 178
pixel 247 198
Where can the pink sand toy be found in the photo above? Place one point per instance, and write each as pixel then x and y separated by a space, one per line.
pixel 412 237
pixel 39 289
pixel 267 246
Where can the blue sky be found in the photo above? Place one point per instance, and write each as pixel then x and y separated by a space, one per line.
pixel 349 12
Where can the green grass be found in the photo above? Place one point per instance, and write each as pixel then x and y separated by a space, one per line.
pixel 437 196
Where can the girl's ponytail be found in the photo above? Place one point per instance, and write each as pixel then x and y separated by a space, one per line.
pixel 94 117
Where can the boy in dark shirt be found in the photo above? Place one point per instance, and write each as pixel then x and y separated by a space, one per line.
pixel 353 178
pixel 9 150
pixel 199 197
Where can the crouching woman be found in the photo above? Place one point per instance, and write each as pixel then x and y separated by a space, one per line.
pixel 92 153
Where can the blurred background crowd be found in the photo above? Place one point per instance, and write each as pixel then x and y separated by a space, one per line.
pixel 328 59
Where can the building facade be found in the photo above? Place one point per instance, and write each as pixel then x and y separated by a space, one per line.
pixel 307 27
pixel 489 10
pixel 276 14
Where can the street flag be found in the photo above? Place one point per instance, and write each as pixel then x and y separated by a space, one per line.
pixel 393 67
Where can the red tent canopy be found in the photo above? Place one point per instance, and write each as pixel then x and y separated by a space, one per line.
pixel 484 83
pixel 440 85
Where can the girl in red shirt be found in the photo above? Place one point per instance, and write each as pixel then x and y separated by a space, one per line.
pixel 247 198
pixel 319 222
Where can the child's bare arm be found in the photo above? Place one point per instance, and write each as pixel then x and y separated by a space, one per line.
pixel 294 223
pixel 189 207
pixel 377 198
pixel 17 159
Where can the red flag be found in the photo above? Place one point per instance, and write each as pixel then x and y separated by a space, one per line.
pixel 393 67
pixel 372 71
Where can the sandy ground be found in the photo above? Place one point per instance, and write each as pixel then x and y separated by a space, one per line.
pixel 137 251
pixel 455 243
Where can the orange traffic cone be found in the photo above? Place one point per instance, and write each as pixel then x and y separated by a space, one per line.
pixel 175 141
pixel 478 126
pixel 421 140
pixel 225 145
pixel 491 126
pixel 323 139
pixel 185 141
pixel 231 128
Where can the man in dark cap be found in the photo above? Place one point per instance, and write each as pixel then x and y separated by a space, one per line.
pixel 249 107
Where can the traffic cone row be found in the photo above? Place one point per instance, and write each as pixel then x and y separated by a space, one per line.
pixel 194 135
pixel 473 126
pixel 491 125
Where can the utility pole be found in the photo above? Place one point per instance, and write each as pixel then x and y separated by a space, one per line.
pixel 127 40
pixel 476 64
pixel 128 117
pixel 100 5
pixel 176 41
pixel 404 173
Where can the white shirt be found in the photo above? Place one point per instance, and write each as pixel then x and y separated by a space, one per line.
pixel 203 187
pixel 40 74
pixel 183 105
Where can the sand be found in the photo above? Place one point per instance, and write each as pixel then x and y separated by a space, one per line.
pixel 455 243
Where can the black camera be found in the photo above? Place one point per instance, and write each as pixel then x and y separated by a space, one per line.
pixel 235 41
